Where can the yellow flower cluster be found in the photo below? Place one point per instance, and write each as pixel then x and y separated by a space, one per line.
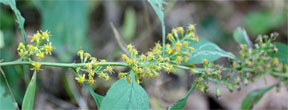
pixel 91 67
pixel 151 63
pixel 40 46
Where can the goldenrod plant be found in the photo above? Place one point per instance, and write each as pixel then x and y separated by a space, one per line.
pixel 183 51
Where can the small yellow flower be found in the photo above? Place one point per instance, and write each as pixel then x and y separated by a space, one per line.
pixel 150 56
pixel 180 30
pixel 36 37
pixel 135 69
pixel 91 81
pixel 87 55
pixel 40 55
pixel 192 34
pixel 178 44
pixel 191 48
pixel 169 51
pixel 174 31
pixel 134 62
pixel 31 47
pixel 124 57
pixel 205 61
pixel 45 35
pixel 275 61
pixel 178 60
pixel 22 53
pixel 186 59
pixel 129 47
pixel 91 73
pixel 48 48
pixel 170 36
pixel 191 27
pixel 80 79
pixel 103 61
pixel 142 57
pixel 196 40
pixel 185 43
pixel 129 61
pixel 109 68
pixel 80 52
pixel 134 52
pixel 88 66
pixel 36 66
pixel 121 75
pixel 21 46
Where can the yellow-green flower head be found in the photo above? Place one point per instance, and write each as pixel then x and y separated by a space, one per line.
pixel 169 51
pixel 205 61
pixel 80 52
pixel 186 59
pixel 142 57
pixel 31 47
pixel 48 48
pixel 174 31
pixel 178 44
pixel 40 55
pixel 196 40
pixel 192 34
pixel 109 68
pixel 178 60
pixel 124 57
pixel 191 48
pixel 129 61
pixel 21 46
pixel 22 53
pixel 122 75
pixel 185 43
pixel 170 36
pixel 80 79
pixel 88 66
pixel 275 61
pixel 129 47
pixel 45 35
pixel 135 69
pixel 91 81
pixel 191 27
pixel 180 30
pixel 104 76
pixel 87 55
pixel 134 62
pixel 150 56
pixel 91 73
pixel 103 61
pixel 36 66
pixel 36 37
pixel 134 52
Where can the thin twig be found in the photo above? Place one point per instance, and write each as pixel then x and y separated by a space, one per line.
pixel 120 42
pixel 9 88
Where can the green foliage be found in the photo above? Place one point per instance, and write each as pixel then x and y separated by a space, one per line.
pixel 6 102
pixel 261 22
pixel 20 18
pixel 123 95
pixel 282 53
pixel 6 19
pixel 68 22
pixel 97 98
pixel 206 50
pixel 28 100
pixel 254 97
pixel 158 8
pixel 240 36
pixel 129 26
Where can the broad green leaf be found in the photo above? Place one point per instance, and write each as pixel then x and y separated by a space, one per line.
pixel 129 27
pixel 18 15
pixel 97 98
pixel 206 50
pixel 261 22
pixel 158 8
pixel 182 102
pixel 254 97
pixel 28 100
pixel 125 96
pixel 6 102
pixel 68 23
pixel 240 36
pixel 282 53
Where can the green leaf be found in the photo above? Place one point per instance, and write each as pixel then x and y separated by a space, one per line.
pixel 19 17
pixel 68 23
pixel 158 8
pixel 129 27
pixel 240 36
pixel 97 98
pixel 182 102
pixel 282 53
pixel 261 22
pixel 6 102
pixel 125 96
pixel 28 100
pixel 254 97
pixel 206 50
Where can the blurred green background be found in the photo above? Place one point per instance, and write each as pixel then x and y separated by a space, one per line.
pixel 85 24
